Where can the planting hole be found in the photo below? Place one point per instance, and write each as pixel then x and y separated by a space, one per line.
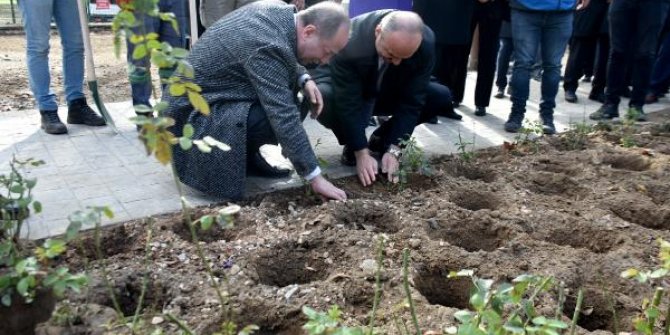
pixel 471 171
pixel 554 184
pixel 596 311
pixel 433 284
pixel 595 239
pixel 366 215
pixel 470 234
pixel 475 200
pixel 639 210
pixel 289 264
pixel 628 162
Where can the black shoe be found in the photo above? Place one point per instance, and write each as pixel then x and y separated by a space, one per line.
pixel 513 124
pixel 500 94
pixel 651 98
pixel 433 120
pixel 548 126
pixel 452 115
pixel 52 124
pixel 627 93
pixel 348 158
pixel 456 104
pixel 78 112
pixel 636 113
pixel 570 96
pixel 372 122
pixel 480 111
pixel 600 97
pixel 382 119
pixel 586 79
pixel 605 112
pixel 258 166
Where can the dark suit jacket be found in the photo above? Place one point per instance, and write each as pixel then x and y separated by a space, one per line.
pixel 246 59
pixel 353 74
pixel 449 19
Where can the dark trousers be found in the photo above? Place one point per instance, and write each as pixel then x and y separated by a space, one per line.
pixel 660 79
pixel 259 130
pixel 580 58
pixel 634 30
pixel 504 56
pixel 451 68
pixel 438 101
pixel 489 32
pixel 600 66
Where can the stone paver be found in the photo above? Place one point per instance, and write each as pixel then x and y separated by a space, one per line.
pixel 94 166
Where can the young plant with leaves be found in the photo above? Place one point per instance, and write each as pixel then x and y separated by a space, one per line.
pixel 627 128
pixel 528 135
pixel 646 322
pixel 506 308
pixel 412 160
pixel 327 323
pixel 465 154
pixel 577 135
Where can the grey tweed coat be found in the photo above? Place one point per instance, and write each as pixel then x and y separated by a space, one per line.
pixel 247 58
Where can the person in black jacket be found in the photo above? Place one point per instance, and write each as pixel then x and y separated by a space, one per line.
pixel 585 38
pixel 450 20
pixel 385 69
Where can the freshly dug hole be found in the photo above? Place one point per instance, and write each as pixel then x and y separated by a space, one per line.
pixel 290 263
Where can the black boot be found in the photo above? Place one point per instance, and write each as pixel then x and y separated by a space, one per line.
pixel 78 112
pixel 258 166
pixel 52 124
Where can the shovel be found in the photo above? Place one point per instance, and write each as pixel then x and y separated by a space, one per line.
pixel 90 68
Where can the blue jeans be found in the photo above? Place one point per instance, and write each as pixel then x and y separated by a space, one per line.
pixel 550 32
pixel 504 56
pixel 139 75
pixel 37 16
pixel 634 31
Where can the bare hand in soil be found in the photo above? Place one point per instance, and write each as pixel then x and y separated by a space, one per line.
pixel 326 189
pixel 315 98
pixel 390 166
pixel 366 167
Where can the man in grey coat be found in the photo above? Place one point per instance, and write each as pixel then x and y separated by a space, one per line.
pixel 247 65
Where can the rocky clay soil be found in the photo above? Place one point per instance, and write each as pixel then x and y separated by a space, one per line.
pixel 582 215
pixel 111 72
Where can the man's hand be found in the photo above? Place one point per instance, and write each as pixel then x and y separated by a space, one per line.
pixel 390 166
pixel 581 4
pixel 366 167
pixel 311 92
pixel 326 189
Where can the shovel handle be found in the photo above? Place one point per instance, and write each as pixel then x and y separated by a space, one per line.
pixel 83 23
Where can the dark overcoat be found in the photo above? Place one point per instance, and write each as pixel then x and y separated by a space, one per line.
pixel 248 58
pixel 449 19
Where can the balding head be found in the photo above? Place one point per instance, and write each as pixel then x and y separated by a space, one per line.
pixel 398 36
pixel 323 30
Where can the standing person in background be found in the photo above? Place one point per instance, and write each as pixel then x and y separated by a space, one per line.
pixel 37 15
pixel 140 69
pixel 546 25
pixel 634 30
pixel 599 80
pixel 660 77
pixel 488 17
pixel 583 43
pixel 450 21
pixel 505 53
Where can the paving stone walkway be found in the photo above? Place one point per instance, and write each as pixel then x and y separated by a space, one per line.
pixel 95 166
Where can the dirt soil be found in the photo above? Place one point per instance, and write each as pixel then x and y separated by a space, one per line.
pixel 111 72
pixel 580 211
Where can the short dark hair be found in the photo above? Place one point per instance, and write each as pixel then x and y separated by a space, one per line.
pixel 328 17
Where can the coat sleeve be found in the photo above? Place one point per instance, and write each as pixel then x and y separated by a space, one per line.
pixel 270 75
pixel 412 102
pixel 348 91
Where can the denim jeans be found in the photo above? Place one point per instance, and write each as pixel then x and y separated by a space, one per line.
pixel 634 31
pixel 139 74
pixel 549 31
pixel 37 16
pixel 504 56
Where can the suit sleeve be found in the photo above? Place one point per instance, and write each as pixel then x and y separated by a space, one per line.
pixel 348 91
pixel 269 72
pixel 412 102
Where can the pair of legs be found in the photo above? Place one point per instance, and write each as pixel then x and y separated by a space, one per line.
pixel 505 51
pixel 660 78
pixel 37 15
pixel 139 74
pixel 489 32
pixel 634 30
pixel 548 32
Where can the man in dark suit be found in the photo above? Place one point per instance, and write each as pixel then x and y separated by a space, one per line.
pixel 247 66
pixel 385 69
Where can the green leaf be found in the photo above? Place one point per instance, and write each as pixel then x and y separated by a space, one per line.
pixel 206 222
pixel 188 130
pixel 310 312
pixel 136 39
pixel 108 212
pixel 202 146
pixel 198 102
pixel 177 90
pixel 23 285
pixel 630 273
pixel 37 206
pixel 30 183
pixel 553 323
pixel 185 143
pixel 143 109
pixel 540 320
pixel 20 267
pixel 153 44
pixel 477 300
pixel 152 36
pixel 7 299
pixel 248 330
pixel 179 52
pixel 461 273
pixel 658 273
pixel 140 51
pixel 54 247
pixel 464 316
pixel 17 188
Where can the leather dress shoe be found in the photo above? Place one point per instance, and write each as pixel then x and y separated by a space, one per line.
pixel 452 115
pixel 570 96
pixel 433 120
pixel 258 166
pixel 51 123
pixel 79 112
pixel 480 111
